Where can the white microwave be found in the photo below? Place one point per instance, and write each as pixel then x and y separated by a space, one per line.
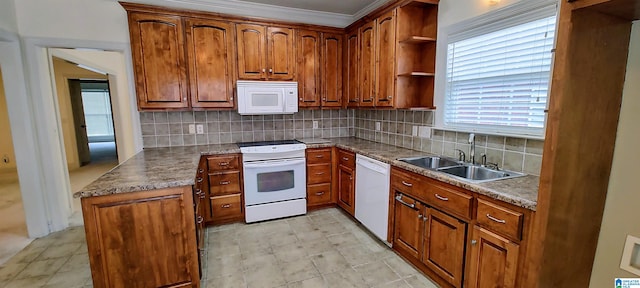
pixel 267 97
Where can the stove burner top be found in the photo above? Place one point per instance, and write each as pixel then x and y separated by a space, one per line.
pixel 268 143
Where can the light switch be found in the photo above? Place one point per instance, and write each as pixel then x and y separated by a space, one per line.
pixel 631 255
pixel 378 126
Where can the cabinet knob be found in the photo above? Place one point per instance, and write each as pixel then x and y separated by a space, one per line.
pixel 300 98
pixel 264 70
pixel 270 70
pixel 389 97
pixel 324 99
pixel 474 242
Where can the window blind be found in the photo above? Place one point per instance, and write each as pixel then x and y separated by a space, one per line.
pixel 499 80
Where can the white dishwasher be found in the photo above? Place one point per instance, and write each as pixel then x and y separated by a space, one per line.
pixel 372 195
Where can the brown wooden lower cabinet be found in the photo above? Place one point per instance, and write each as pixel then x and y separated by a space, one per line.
pixel 493 262
pixel 408 225
pixel 443 245
pixel 142 239
pixel 346 189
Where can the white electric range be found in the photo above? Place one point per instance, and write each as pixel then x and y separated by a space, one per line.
pixel 274 179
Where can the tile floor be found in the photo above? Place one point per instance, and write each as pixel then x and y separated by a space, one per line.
pixel 322 249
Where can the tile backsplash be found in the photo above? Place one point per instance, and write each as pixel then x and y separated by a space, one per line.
pixel 396 128
pixel 166 129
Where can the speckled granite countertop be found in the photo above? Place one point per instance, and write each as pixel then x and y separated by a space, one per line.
pixel 159 168
pixel 154 168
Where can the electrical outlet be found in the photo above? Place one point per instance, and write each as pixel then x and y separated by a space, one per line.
pixel 192 128
pixel 200 129
pixel 378 124
pixel 315 124
pixel 414 130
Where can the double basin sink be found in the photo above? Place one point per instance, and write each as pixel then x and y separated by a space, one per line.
pixel 461 170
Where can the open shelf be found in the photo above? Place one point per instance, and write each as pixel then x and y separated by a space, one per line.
pixel 432 2
pixel 417 74
pixel 418 40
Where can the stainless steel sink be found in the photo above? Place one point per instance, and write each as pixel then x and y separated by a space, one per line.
pixel 479 174
pixel 430 162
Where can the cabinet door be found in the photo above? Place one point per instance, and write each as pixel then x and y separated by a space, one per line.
pixel 142 239
pixel 281 56
pixel 210 61
pixel 157 46
pixel 346 189
pixel 385 59
pixel 331 70
pixel 308 71
pixel 352 78
pixel 251 49
pixel 407 225
pixel 443 245
pixel 367 64
pixel 494 260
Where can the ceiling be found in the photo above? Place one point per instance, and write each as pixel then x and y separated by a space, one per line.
pixel 349 7
pixel 334 13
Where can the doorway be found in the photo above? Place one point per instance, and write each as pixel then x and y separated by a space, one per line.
pixel 86 118
pixel 13 228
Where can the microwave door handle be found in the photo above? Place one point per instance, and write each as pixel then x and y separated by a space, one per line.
pixel 273 163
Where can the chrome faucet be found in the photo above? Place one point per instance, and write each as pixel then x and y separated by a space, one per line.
pixel 472 148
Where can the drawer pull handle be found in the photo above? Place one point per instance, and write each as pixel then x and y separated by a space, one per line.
pixel 199 179
pixel 200 170
pixel 319 193
pixel 441 198
pixel 200 219
pixel 319 156
pixel 226 206
pixel 319 173
pixel 496 219
pixel 223 163
pixel 202 196
pixel 225 182
pixel 198 191
pixel 345 158
pixel 407 184
pixel 412 205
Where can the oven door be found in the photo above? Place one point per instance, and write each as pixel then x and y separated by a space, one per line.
pixel 274 180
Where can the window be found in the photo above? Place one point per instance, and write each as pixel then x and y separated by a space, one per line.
pixel 96 103
pixel 498 72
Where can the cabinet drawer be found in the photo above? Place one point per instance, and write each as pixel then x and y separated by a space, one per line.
pixel 347 158
pixel 227 162
pixel 226 206
pixel 224 183
pixel 318 173
pixel 448 199
pixel 500 219
pixel 316 156
pixel 319 194
pixel 406 182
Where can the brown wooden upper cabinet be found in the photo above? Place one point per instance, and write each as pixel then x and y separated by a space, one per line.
pixel 210 55
pixel 367 61
pixel 331 70
pixel 351 78
pixel 309 66
pixel 319 69
pixel 265 53
pixel 385 59
pixel 157 47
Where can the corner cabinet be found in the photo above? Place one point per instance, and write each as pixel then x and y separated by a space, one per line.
pixel 265 53
pixel 142 239
pixel 157 47
pixel 210 55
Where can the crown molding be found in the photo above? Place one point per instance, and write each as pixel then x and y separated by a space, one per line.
pixel 368 9
pixel 260 10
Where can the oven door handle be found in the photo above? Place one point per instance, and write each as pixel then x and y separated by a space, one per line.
pixel 273 163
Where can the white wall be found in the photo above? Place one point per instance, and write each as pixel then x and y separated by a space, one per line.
pixel 96 20
pixel 8 15
pixel 451 12
pixel 621 211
